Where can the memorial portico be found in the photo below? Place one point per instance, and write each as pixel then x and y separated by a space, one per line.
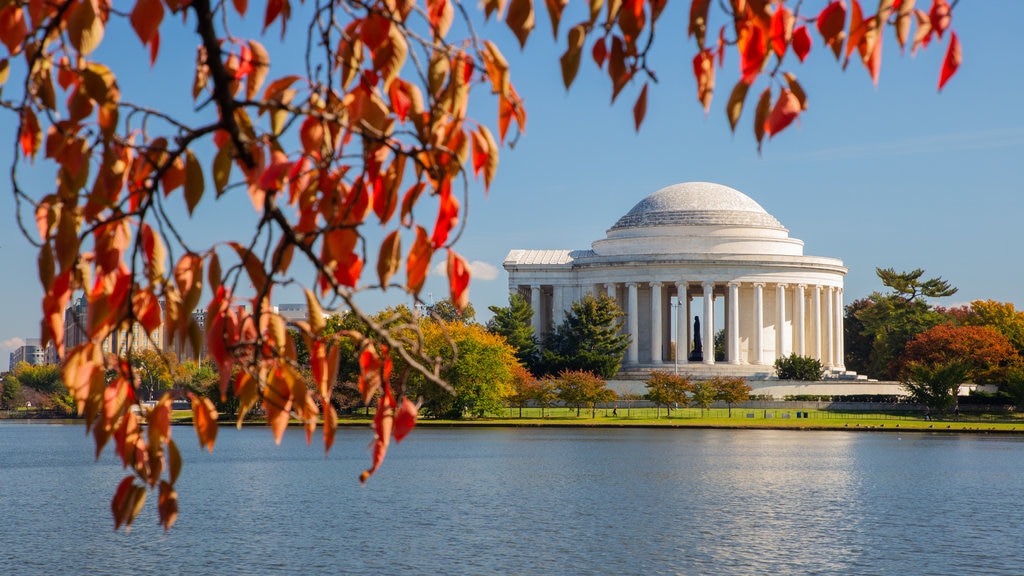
pixel 689 242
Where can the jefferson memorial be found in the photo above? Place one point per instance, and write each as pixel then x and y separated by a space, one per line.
pixel 686 262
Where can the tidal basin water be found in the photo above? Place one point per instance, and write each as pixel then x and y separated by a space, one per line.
pixel 529 501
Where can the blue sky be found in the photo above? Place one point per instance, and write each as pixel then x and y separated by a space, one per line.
pixel 895 176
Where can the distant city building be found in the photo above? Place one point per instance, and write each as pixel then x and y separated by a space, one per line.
pixel 30 352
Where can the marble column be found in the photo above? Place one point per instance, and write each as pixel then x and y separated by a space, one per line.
pixel 837 356
pixel 827 345
pixel 709 322
pixel 758 322
pixel 798 322
pixel 682 343
pixel 732 353
pixel 633 325
pixel 656 357
pixel 535 304
pixel 780 320
pixel 557 305
pixel 815 350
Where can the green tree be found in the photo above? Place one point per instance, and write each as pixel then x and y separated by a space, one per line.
pixel 665 389
pixel 579 388
pixel 45 378
pixel 731 390
pixel 589 339
pixel 936 385
pixel 704 394
pixel 546 393
pixel 153 370
pixel 480 369
pixel 515 323
pixel 895 318
pixel 447 311
pixel 857 342
pixel 10 398
pixel 795 367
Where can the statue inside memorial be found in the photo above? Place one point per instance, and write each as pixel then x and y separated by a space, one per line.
pixel 697 355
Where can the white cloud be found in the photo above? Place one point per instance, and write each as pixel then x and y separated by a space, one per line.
pixel 478 270
pixel 11 344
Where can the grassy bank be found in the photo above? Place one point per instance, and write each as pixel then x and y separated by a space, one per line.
pixel 715 418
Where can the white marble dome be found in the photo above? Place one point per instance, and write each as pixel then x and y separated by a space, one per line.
pixel 700 204
pixel 697 218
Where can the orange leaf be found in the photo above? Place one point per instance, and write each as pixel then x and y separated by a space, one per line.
pixel 330 426
pixel 418 262
pixel 204 419
pixel 390 257
pixel 555 9
pixel 786 109
pixel 640 108
pixel 952 60
pixel 458 280
pixel 802 42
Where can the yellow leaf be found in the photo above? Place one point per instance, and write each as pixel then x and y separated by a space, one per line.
pixel 194 183
pixel 734 107
pixel 764 107
pixel 260 68
pixel 520 19
pixel 571 59
pixel 85 28
pixel 222 168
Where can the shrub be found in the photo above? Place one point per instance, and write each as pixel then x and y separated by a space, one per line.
pixel 796 367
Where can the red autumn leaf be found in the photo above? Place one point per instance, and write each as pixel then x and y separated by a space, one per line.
pixel 599 52
pixel 30 136
pixel 640 108
pixel 146 17
pixel 698 20
pixel 382 425
pixel 167 505
pixel 13 29
pixel 369 373
pixel 801 42
pixel 831 21
pixel 401 101
pixel 277 8
pixel 374 30
pixel 939 15
pixel 752 52
pixel 704 71
pixel 447 214
pixel 780 30
pixel 405 418
pixel 952 60
pixel 458 280
pixel 786 109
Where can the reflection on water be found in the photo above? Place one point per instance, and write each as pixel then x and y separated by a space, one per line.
pixel 531 501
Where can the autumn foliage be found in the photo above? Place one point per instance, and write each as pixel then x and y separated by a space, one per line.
pixel 371 131
pixel 984 352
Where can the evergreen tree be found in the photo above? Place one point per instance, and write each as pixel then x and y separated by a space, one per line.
pixel 515 323
pixel 588 339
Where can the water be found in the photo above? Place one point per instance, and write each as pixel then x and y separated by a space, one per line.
pixel 529 501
